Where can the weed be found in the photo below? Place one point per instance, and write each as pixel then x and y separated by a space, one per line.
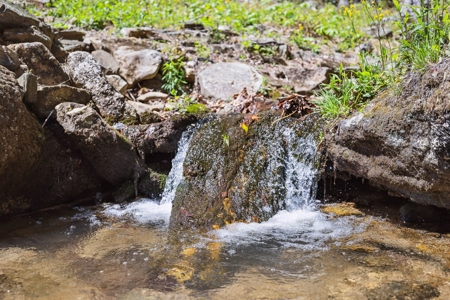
pixel 202 50
pixel 173 76
pixel 186 104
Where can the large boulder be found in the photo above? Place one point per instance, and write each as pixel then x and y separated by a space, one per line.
pixel 223 80
pixel 231 175
pixel 27 35
pixel 87 74
pixel 401 142
pixel 42 63
pixel 111 154
pixel 22 138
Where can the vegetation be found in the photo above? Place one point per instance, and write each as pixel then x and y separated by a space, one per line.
pixel 173 76
pixel 422 41
pixel 306 23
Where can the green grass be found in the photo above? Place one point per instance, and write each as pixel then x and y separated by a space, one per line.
pixel 327 22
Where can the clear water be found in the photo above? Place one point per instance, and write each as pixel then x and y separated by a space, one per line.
pixel 115 251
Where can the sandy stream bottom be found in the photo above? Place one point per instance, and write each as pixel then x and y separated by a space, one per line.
pixel 122 253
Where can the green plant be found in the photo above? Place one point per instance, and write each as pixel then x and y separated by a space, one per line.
pixel 349 91
pixel 186 104
pixel 173 76
pixel 226 139
pixel 424 39
pixel 202 50
pixel 265 89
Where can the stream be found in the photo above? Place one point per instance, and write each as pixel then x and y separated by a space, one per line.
pixel 126 251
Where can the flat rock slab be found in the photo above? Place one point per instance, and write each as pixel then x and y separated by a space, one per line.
pixel 27 35
pixel 223 80
pixel 42 62
pixel 118 83
pixel 137 65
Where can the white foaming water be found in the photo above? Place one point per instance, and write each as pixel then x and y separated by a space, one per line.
pixel 301 225
pixel 149 210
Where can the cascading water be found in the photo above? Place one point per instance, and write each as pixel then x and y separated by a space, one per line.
pixel 299 225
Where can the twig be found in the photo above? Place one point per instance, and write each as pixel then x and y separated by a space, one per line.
pixel 282 118
pixel 49 115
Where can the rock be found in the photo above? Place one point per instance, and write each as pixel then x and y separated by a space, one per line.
pixel 13 16
pixel 194 26
pixel 190 71
pixel 159 137
pixel 87 73
pixel 223 80
pixel 125 193
pixel 27 35
pixel 106 61
pixel 152 96
pixel 401 142
pixel 42 63
pixel 112 156
pixel 243 178
pixel 342 209
pixel 50 96
pixel 137 65
pixel 141 32
pixel 118 83
pixel 70 34
pixel 301 79
pixel 22 138
pixel 73 45
pixel 145 112
pixel 28 82
pixel 9 59
pixel 59 52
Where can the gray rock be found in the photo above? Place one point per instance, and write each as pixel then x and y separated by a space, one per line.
pixel 145 112
pixel 160 137
pixel 50 96
pixel 118 83
pixel 138 65
pixel 27 35
pixel 400 142
pixel 59 52
pixel 223 80
pixel 28 82
pixel 107 61
pixel 22 137
pixel 112 156
pixel 301 79
pixel 87 73
pixel 42 63
pixel 9 59
pixel 74 45
pixel 152 96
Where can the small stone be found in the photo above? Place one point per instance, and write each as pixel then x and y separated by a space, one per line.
pixel 73 45
pixel 342 209
pixel 107 61
pixel 152 96
pixel 145 112
pixel 28 82
pixel 142 32
pixel 118 83
pixel 70 35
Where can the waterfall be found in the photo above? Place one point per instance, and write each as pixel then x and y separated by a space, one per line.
pixel 176 173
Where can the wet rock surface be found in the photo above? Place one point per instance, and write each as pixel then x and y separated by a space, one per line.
pixel 237 175
pixel 400 142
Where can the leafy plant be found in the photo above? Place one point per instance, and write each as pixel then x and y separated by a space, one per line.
pixel 226 139
pixel 346 92
pixel 173 76
pixel 186 104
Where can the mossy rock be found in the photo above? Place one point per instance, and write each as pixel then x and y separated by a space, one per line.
pixel 236 175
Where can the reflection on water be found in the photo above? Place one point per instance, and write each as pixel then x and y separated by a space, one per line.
pixel 126 252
